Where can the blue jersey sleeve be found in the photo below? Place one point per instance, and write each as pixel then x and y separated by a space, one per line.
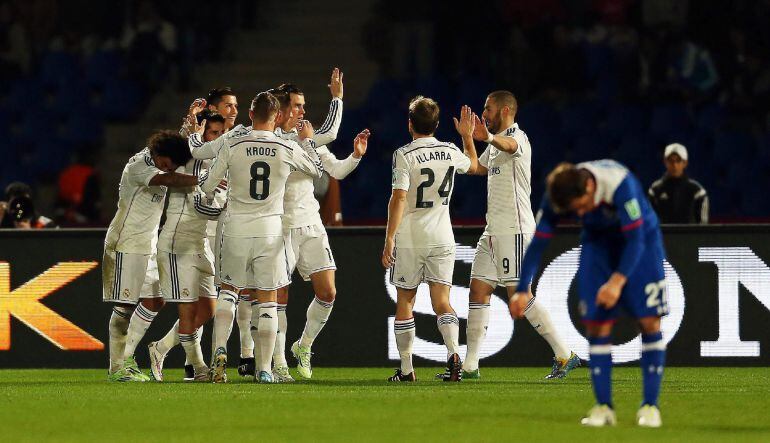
pixel 546 222
pixel 627 200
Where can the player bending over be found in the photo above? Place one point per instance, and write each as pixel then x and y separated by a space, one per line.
pixel 419 242
pixel 129 270
pixel 506 162
pixel 621 265
pixel 186 264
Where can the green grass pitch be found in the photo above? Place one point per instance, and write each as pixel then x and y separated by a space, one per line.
pixel 344 404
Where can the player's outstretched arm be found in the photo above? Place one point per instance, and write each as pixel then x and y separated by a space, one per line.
pixel 328 131
pixel 174 180
pixel 211 179
pixel 465 127
pixel 305 158
pixel 501 142
pixel 340 169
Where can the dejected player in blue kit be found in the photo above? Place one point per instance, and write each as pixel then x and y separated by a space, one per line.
pixel 621 265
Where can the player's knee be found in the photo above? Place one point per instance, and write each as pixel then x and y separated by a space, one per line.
pixel 154 304
pixel 327 294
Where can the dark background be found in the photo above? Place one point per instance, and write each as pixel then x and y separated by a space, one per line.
pixel 356 334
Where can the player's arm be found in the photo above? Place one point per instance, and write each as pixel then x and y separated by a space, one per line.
pixel 205 207
pixel 305 158
pixel 327 133
pixel 465 127
pixel 504 143
pixel 701 207
pixel 204 150
pixel 626 199
pixel 396 206
pixel 144 172
pixel 340 169
pixel 212 178
pixel 546 222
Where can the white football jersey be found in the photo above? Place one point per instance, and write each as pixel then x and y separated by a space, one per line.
pixel 509 210
pixel 425 168
pixel 300 205
pixel 134 228
pixel 187 215
pixel 258 165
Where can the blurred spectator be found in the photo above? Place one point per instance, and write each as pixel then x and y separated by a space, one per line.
pixel 691 69
pixel 79 193
pixel 22 215
pixel 13 190
pixel 150 42
pixel 676 197
pixel 14 44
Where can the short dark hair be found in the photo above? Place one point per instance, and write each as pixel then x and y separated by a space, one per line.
pixel 423 113
pixel 17 189
pixel 210 117
pixel 564 184
pixel 215 95
pixel 505 98
pixel 167 143
pixel 283 93
pixel 264 106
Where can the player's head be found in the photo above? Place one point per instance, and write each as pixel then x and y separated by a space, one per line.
pixel 571 189
pixel 264 110
pixel 169 150
pixel 223 101
pixel 215 124
pixel 675 159
pixel 500 110
pixel 17 189
pixel 423 116
pixel 292 104
pixel 21 211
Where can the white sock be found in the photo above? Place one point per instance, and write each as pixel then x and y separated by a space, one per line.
pixel 317 314
pixel 478 321
pixel 244 326
pixel 404 339
pixel 224 313
pixel 198 339
pixel 137 327
pixel 192 349
pixel 265 317
pixel 449 326
pixel 279 354
pixel 118 329
pixel 540 319
pixel 169 340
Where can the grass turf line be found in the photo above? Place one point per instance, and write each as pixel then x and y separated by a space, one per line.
pixel 356 404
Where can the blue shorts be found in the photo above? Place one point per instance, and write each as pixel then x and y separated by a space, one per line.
pixel 644 294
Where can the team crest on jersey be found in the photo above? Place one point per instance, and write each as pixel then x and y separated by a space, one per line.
pixel 185 292
pixel 126 293
pixel 633 209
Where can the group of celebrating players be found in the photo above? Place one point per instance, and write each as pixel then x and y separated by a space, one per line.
pixel 241 216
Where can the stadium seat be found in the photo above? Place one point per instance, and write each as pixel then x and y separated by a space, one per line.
pixel 730 146
pixel 74 97
pixel 710 117
pixel 590 148
pixel 580 119
pixel 538 117
pixel 103 66
pixel 59 68
pixel 625 120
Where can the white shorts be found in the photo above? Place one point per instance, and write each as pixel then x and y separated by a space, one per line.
pixel 128 277
pixel 413 266
pixel 186 277
pixel 498 259
pixel 308 250
pixel 254 263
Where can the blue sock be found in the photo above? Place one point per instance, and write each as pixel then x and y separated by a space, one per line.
pixel 601 368
pixel 652 362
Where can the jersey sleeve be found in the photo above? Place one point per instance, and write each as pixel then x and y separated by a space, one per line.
pixel 337 168
pixel 207 150
pixel 626 200
pixel 461 162
pixel 141 171
pixel 305 158
pixel 209 180
pixel 204 206
pixel 484 158
pixel 400 172
pixel 701 206
pixel 546 221
pixel 521 141
pixel 327 133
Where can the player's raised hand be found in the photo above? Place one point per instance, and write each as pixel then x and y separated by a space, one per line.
pixel 305 129
pixel 335 84
pixel 480 131
pixel 466 125
pixel 360 143
pixel 191 125
pixel 387 253
pixel 198 105
pixel 517 304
